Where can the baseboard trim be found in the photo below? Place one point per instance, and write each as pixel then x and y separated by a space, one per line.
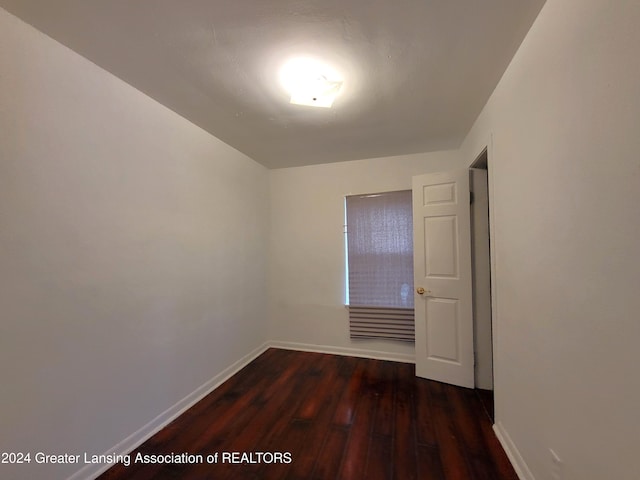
pixel 519 465
pixel 154 426
pixel 349 352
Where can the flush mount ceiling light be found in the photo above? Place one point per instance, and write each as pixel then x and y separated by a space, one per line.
pixel 310 82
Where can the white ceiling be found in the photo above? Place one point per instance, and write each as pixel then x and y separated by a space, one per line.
pixel 417 72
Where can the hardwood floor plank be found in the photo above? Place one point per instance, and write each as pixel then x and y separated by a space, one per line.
pixel 429 464
pixel 486 399
pixel 380 461
pixel 466 422
pixel 325 382
pixel 325 399
pixel 404 446
pixel 383 423
pixel 293 441
pixel 331 453
pixel 451 450
pixel 346 407
pixel 357 448
pixel 338 417
pixel 425 426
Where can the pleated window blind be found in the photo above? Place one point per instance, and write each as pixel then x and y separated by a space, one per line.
pixel 380 265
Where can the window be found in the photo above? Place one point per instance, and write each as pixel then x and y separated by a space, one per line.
pixel 380 265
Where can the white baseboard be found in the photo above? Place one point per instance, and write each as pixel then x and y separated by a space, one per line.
pixel 154 426
pixel 519 465
pixel 350 352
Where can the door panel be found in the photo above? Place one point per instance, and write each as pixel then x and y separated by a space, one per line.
pixel 439 194
pixel 441 252
pixel 442 268
pixel 442 330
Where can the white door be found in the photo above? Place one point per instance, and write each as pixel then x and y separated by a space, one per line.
pixel 442 277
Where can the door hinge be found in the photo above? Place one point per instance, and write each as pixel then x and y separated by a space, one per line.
pixel 470 198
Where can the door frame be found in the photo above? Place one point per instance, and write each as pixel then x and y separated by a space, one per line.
pixel 481 275
pixel 487 148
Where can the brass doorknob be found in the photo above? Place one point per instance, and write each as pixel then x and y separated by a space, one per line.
pixel 420 290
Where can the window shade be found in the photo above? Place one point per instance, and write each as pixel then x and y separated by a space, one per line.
pixel 380 263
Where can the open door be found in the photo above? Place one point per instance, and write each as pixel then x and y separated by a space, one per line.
pixel 442 277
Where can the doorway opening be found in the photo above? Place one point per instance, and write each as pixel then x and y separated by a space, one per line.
pixel 481 275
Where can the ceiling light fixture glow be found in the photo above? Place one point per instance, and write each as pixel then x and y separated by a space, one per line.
pixel 310 82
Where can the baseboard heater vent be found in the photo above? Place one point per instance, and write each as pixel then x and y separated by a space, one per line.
pixel 382 323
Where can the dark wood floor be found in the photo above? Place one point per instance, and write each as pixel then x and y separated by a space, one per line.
pixel 338 417
pixel 486 399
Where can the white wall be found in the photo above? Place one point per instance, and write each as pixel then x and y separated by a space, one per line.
pixel 129 239
pixel 565 176
pixel 306 250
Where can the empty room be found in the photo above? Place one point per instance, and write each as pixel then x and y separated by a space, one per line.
pixel 293 239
